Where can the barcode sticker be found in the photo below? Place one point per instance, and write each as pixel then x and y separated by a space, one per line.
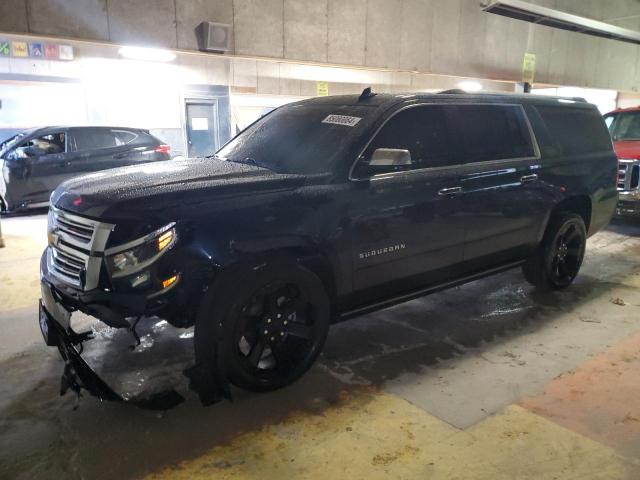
pixel 342 120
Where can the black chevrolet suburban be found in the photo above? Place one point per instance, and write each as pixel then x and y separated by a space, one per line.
pixel 322 210
pixel 35 161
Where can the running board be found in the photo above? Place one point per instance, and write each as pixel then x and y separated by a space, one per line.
pixel 425 291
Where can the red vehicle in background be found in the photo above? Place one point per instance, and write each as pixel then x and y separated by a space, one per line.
pixel 624 127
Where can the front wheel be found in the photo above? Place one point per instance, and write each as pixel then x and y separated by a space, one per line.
pixel 558 260
pixel 273 324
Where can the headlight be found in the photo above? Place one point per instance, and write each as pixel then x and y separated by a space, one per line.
pixel 141 253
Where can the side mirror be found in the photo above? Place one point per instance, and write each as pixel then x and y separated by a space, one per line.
pixel 390 157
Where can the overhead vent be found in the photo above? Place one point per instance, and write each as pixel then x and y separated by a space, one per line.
pixel 550 17
pixel 213 37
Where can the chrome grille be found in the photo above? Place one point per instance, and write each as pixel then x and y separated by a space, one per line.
pixel 622 175
pixel 76 247
pixel 72 228
pixel 628 175
pixel 68 264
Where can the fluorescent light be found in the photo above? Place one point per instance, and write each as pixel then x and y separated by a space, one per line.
pixel 550 17
pixel 148 54
pixel 470 86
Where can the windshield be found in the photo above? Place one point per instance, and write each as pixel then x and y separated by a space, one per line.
pixel 303 138
pixel 624 125
pixel 7 144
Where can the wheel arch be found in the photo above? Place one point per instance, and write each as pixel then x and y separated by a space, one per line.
pixel 579 204
pixel 308 258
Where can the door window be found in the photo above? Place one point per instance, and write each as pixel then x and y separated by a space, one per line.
pixel 579 130
pixel 92 139
pixel 45 145
pixel 491 132
pixel 422 130
pixel 123 137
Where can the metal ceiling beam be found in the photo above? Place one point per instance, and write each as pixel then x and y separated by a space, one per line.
pixel 550 17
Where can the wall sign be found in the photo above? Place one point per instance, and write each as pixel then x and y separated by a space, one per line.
pixel 51 51
pixel 322 89
pixel 199 123
pixel 65 52
pixel 529 67
pixel 38 50
pixel 19 49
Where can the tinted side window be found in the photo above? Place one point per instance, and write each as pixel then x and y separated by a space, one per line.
pixel 421 130
pixel 124 136
pixel 491 132
pixel 92 139
pixel 44 145
pixel 576 130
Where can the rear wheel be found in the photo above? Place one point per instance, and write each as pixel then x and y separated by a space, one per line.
pixel 559 258
pixel 274 322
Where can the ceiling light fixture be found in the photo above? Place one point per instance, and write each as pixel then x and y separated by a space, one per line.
pixel 470 86
pixel 147 54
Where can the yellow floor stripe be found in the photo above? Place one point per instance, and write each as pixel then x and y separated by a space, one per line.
pixel 382 436
pixel 19 273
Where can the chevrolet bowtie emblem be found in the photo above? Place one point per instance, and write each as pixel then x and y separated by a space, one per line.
pixel 52 237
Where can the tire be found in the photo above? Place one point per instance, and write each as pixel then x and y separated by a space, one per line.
pixel 267 325
pixel 558 259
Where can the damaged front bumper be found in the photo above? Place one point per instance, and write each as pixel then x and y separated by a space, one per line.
pixel 55 325
pixel 54 320
pixel 56 329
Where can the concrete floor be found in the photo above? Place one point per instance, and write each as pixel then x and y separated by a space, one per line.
pixel 490 380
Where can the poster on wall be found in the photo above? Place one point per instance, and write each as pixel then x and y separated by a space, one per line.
pixel 36 50
pixel 51 51
pixel 65 52
pixel 19 49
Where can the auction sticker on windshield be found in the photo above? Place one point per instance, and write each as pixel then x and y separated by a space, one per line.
pixel 342 120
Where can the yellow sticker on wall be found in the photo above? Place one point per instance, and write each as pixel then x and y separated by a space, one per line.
pixel 322 89
pixel 19 49
pixel 529 67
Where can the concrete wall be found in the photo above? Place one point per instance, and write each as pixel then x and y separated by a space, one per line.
pixel 439 36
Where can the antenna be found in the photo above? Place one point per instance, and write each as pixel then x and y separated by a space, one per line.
pixel 366 93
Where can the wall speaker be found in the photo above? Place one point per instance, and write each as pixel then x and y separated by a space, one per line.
pixel 213 37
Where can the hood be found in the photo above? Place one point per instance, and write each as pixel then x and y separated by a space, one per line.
pixel 141 191
pixel 627 148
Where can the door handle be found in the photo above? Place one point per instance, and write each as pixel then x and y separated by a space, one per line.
pixel 529 178
pixel 450 191
pixel 118 156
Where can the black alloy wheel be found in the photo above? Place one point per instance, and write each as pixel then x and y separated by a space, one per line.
pixel 568 251
pixel 266 325
pixel 558 260
pixel 276 332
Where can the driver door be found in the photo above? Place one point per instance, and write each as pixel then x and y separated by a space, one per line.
pixel 407 229
pixel 43 163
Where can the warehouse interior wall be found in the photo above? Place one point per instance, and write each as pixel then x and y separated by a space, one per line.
pixel 99 87
pixel 452 37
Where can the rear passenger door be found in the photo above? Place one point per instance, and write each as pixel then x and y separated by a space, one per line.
pixel 94 148
pixel 500 197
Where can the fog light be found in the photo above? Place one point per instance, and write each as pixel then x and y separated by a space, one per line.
pixel 140 280
pixel 169 281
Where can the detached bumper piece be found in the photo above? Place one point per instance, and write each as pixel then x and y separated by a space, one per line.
pixel 77 374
